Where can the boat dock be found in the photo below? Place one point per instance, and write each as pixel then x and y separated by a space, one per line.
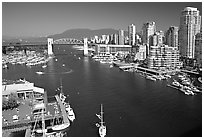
pixel 62 107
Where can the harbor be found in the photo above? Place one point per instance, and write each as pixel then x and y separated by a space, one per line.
pixel 106 85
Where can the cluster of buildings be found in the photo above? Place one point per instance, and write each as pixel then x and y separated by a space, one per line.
pixel 160 49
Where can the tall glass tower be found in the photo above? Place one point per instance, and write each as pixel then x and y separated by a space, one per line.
pixel 190 23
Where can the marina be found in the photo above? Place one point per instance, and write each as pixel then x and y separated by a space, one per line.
pixel 83 90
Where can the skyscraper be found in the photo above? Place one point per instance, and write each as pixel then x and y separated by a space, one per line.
pixel 132 34
pixel 190 22
pixel 121 37
pixel 198 49
pixel 148 30
pixel 172 36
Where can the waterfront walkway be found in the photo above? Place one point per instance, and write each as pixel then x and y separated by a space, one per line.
pixel 62 107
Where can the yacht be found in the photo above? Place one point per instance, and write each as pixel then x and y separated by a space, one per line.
pixel 70 112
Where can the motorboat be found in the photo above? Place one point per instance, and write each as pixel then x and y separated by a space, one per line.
pixel 44 66
pixel 61 126
pixel 70 112
pixel 40 72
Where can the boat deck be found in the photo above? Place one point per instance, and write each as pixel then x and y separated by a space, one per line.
pixel 62 107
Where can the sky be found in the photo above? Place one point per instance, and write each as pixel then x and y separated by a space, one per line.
pixel 48 18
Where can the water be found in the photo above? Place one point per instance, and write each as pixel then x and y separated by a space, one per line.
pixel 133 106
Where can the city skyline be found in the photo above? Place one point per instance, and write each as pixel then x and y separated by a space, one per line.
pixel 41 19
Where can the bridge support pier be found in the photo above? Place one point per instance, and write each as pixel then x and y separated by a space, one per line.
pixel 85 47
pixel 50 46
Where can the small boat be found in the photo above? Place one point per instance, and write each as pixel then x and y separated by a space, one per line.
pixel 151 78
pixel 40 72
pixel 79 58
pixel 44 66
pixel 102 127
pixel 111 66
pixel 61 126
pixel 56 60
pixel 63 65
pixel 175 83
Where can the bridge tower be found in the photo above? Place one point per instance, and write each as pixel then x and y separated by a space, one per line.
pixel 85 47
pixel 50 46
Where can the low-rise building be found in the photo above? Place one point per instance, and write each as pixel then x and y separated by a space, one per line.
pixel 23 89
pixel 112 49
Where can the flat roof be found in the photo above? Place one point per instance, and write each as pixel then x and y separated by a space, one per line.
pixel 111 45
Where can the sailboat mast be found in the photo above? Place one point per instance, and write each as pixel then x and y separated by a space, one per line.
pixel 101 114
pixel 61 85
pixel 43 123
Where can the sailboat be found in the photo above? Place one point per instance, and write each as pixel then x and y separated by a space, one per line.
pixel 101 126
pixel 69 110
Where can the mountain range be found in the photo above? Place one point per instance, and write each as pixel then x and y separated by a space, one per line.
pixel 71 33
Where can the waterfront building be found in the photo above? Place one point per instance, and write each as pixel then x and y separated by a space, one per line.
pixel 132 34
pixel 163 56
pixel 190 23
pixel 198 49
pixel 112 49
pixel 23 89
pixel 140 52
pixel 50 46
pixel 148 30
pixel 121 37
pixel 85 47
pixel 172 36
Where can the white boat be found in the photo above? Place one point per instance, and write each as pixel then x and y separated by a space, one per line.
pixel 56 60
pixel 151 78
pixel 63 65
pixel 177 84
pixel 70 112
pixel 40 72
pixel 44 66
pixel 102 127
pixel 79 58
pixel 61 126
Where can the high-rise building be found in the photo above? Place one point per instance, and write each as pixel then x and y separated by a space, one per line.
pixel 198 49
pixel 148 30
pixel 121 37
pixel 132 34
pixel 156 39
pixel 163 56
pixel 190 22
pixel 172 36
pixel 115 39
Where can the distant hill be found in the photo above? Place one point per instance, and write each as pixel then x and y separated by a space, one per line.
pixel 82 33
